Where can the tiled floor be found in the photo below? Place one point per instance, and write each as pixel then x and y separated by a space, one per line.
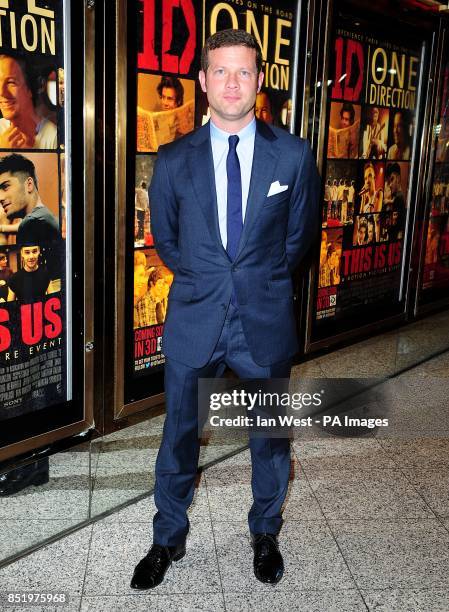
pixel 366 520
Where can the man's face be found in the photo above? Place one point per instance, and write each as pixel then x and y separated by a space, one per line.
pixel 168 98
pixel 263 108
pixel 231 83
pixel 370 232
pixel 3 262
pixel 334 260
pixel 398 129
pixel 370 179
pixel 345 119
pixel 375 116
pixel 12 194
pixel 30 258
pixel 394 183
pixel 16 100
pixel 362 233
pixel 159 290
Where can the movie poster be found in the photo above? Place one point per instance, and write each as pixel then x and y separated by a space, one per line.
pixel 371 118
pixel 167 65
pixel 435 279
pixel 171 104
pixel 33 334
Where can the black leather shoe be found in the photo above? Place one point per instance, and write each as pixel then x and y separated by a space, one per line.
pixel 268 562
pixel 150 571
pixel 36 474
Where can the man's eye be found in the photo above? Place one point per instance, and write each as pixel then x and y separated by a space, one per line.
pixel 245 73
pixel 219 71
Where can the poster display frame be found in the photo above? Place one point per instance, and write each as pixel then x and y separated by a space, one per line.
pixel 317 132
pixel 124 132
pixel 69 418
pixel 125 402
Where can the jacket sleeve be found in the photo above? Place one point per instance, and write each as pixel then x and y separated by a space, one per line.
pixel 164 214
pixel 303 217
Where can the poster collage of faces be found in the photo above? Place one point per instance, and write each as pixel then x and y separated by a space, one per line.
pixel 32 176
pixel 365 179
pixel 165 112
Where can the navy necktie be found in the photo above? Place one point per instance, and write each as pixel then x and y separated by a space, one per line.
pixel 234 220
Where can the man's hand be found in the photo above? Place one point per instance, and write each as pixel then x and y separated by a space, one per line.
pixel 14 138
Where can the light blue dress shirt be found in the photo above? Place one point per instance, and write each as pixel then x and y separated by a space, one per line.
pixel 245 151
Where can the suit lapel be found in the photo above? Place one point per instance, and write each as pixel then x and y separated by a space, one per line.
pixel 201 167
pixel 264 165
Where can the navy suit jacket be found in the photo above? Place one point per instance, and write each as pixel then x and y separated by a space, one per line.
pixel 277 232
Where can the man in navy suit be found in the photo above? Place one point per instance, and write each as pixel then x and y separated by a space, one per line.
pixel 233 211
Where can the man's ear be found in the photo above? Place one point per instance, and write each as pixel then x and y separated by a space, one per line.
pixel 29 185
pixel 202 80
pixel 260 81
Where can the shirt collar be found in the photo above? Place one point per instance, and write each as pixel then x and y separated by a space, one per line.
pixel 247 132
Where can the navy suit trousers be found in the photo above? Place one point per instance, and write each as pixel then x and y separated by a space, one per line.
pixel 177 460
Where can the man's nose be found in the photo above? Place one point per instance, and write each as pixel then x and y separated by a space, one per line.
pixel 232 81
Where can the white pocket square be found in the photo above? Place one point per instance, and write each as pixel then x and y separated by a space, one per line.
pixel 275 188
